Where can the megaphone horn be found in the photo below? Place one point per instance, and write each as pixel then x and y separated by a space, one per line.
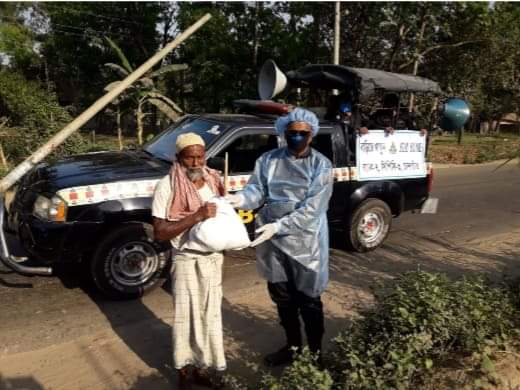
pixel 454 114
pixel 271 81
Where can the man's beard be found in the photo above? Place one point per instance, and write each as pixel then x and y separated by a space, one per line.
pixel 194 174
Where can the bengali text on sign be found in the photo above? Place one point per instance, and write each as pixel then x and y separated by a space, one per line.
pixel 391 156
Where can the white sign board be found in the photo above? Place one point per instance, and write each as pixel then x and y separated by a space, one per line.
pixel 391 156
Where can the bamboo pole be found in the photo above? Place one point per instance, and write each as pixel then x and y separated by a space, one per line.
pixel 5 165
pixel 79 121
pixel 337 22
pixel 226 174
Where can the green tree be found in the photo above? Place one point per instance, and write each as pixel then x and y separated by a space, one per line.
pixel 484 72
pixel 143 92
pixel 18 40
pixel 74 46
pixel 34 115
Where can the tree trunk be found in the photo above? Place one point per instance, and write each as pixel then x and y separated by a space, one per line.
pixel 316 36
pixel 416 54
pixel 119 131
pixel 5 164
pixel 139 119
pixel 397 46
pixel 489 128
pixel 256 33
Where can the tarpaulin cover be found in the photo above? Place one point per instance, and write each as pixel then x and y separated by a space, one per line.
pixel 341 77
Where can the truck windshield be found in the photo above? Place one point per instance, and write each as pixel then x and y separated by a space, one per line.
pixel 163 146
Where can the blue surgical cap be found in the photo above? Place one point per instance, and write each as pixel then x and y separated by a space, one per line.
pixel 298 115
pixel 345 107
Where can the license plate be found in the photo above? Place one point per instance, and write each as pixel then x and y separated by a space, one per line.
pixel 430 206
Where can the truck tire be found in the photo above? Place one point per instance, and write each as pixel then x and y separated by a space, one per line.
pixel 128 263
pixel 369 225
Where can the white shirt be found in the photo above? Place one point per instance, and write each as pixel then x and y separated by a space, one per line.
pixel 162 199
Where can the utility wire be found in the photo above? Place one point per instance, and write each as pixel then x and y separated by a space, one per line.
pixel 86 31
pixel 77 11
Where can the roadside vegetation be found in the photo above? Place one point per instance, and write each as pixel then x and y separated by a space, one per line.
pixel 421 324
pixel 475 148
pixel 32 115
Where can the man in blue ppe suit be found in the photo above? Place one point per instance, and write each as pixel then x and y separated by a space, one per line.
pixel 293 186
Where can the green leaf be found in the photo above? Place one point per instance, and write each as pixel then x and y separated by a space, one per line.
pixel 167 100
pixel 487 364
pixel 164 108
pixel 428 363
pixel 168 69
pixel 118 69
pixel 121 55
pixel 145 82
pixel 393 355
pixel 404 312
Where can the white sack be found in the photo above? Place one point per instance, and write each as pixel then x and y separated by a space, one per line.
pixel 225 231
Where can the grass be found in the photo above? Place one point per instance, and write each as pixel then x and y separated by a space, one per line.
pixel 475 148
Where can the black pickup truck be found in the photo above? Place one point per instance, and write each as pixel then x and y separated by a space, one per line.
pixel 94 208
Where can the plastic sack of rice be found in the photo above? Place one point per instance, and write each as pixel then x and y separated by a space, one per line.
pixel 225 231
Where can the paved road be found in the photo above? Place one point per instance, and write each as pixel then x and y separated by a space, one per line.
pixel 475 201
pixel 36 312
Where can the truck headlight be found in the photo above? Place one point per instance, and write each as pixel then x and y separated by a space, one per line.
pixel 53 209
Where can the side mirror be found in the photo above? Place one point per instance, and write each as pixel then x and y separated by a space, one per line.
pixel 216 163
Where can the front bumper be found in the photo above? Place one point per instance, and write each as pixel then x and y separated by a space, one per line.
pixel 52 242
pixel 17 264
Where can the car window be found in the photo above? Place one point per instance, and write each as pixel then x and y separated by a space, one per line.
pixel 163 146
pixel 245 150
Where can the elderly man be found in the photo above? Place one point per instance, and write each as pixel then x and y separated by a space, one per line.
pixel 293 185
pixel 181 201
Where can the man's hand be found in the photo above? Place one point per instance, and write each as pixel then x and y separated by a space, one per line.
pixel 266 232
pixel 389 130
pixel 236 200
pixel 424 132
pixel 209 210
pixel 363 130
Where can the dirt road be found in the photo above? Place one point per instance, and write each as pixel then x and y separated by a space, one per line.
pixel 56 333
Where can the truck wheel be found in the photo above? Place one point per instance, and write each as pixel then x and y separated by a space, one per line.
pixel 369 225
pixel 128 263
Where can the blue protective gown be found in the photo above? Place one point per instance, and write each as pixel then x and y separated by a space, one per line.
pixel 294 194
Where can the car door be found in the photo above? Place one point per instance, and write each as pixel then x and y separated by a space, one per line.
pixel 331 144
pixel 244 146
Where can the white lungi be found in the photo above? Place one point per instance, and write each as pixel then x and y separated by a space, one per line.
pixel 197 320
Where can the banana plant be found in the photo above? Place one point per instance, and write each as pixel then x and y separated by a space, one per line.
pixel 143 92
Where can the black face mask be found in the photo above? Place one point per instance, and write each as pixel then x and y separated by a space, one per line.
pixel 296 141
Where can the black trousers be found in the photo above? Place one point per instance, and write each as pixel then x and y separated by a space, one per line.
pixel 292 304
